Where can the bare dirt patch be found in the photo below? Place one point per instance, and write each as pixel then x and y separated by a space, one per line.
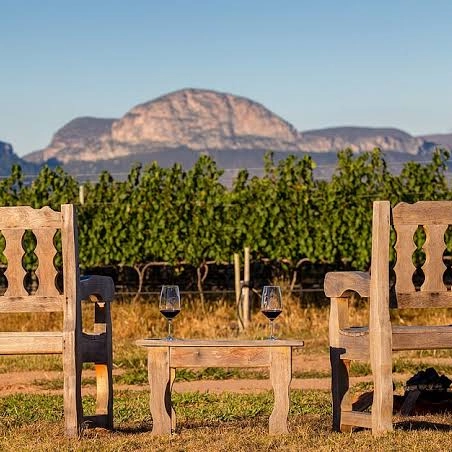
pixel 25 382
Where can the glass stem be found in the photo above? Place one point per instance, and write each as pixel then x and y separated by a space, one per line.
pixel 170 329
pixel 271 330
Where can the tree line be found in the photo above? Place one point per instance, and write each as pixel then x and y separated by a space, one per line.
pixel 188 217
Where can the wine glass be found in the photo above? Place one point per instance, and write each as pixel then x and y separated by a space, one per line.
pixel 271 305
pixel 170 306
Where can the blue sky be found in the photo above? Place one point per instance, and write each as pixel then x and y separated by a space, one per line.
pixel 314 63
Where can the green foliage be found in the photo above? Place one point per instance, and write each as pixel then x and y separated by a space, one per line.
pixel 188 217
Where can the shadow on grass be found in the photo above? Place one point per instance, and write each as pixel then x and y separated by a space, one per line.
pixel 422 425
pixel 132 430
pixel 193 425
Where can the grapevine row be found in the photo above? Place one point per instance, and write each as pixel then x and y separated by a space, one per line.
pixel 189 217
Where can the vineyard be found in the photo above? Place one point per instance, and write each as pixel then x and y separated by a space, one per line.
pixel 177 220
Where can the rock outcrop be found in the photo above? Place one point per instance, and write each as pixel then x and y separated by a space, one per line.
pixel 200 120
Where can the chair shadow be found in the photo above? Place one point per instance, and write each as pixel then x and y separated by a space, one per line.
pixel 420 425
pixel 133 430
pixel 191 424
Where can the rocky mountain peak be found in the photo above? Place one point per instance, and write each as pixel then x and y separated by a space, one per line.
pixel 204 120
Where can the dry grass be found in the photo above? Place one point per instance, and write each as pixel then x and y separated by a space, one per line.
pixel 224 423
pixel 308 433
pixel 219 321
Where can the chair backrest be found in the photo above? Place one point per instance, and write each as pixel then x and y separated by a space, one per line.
pixel 44 223
pixel 434 217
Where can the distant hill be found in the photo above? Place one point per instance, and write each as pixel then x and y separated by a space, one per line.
pixel 73 138
pixel 362 139
pixel 235 130
pixel 8 158
pixel 442 139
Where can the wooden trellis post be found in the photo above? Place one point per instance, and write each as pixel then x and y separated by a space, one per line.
pixel 242 289
pixel 246 289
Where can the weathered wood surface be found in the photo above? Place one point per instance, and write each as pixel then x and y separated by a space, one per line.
pixel 417 337
pixel 342 284
pixel 426 337
pixel 422 212
pixel 30 343
pixel 356 419
pixel 46 271
pixel 280 377
pixel 377 341
pixel 72 358
pixel 434 267
pixel 153 342
pixel 160 385
pixel 21 217
pixel 31 303
pixel 173 412
pixel 204 356
pixel 15 272
pixel 164 356
pixel 338 320
pixel 434 217
pixel 75 346
pixel 380 331
pixel 404 266
pixel 424 300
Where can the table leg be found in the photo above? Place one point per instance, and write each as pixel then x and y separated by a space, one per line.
pixel 173 413
pixel 160 382
pixel 280 377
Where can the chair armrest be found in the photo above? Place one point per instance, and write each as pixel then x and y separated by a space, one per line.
pixel 97 288
pixel 341 284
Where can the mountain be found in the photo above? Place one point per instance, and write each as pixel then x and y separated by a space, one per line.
pixel 71 140
pixel 361 139
pixel 234 130
pixel 442 139
pixel 8 158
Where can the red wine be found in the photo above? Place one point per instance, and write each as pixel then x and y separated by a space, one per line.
pixel 170 313
pixel 271 314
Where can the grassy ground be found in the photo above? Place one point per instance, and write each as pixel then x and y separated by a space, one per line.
pixel 209 422
pixel 30 420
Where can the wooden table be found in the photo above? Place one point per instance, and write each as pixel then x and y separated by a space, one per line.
pixel 165 356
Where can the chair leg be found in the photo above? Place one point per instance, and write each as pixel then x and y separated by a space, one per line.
pixel 72 370
pixel 104 399
pixel 339 384
pixel 104 370
pixel 383 400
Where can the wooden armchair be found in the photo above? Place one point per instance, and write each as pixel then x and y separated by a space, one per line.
pixel 377 341
pixel 75 345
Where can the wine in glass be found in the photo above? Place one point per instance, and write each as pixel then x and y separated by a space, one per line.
pixel 271 305
pixel 170 306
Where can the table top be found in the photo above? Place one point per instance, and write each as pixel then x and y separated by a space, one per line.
pixel 156 342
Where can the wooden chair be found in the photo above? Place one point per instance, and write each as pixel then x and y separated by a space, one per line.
pixel 377 341
pixel 75 345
